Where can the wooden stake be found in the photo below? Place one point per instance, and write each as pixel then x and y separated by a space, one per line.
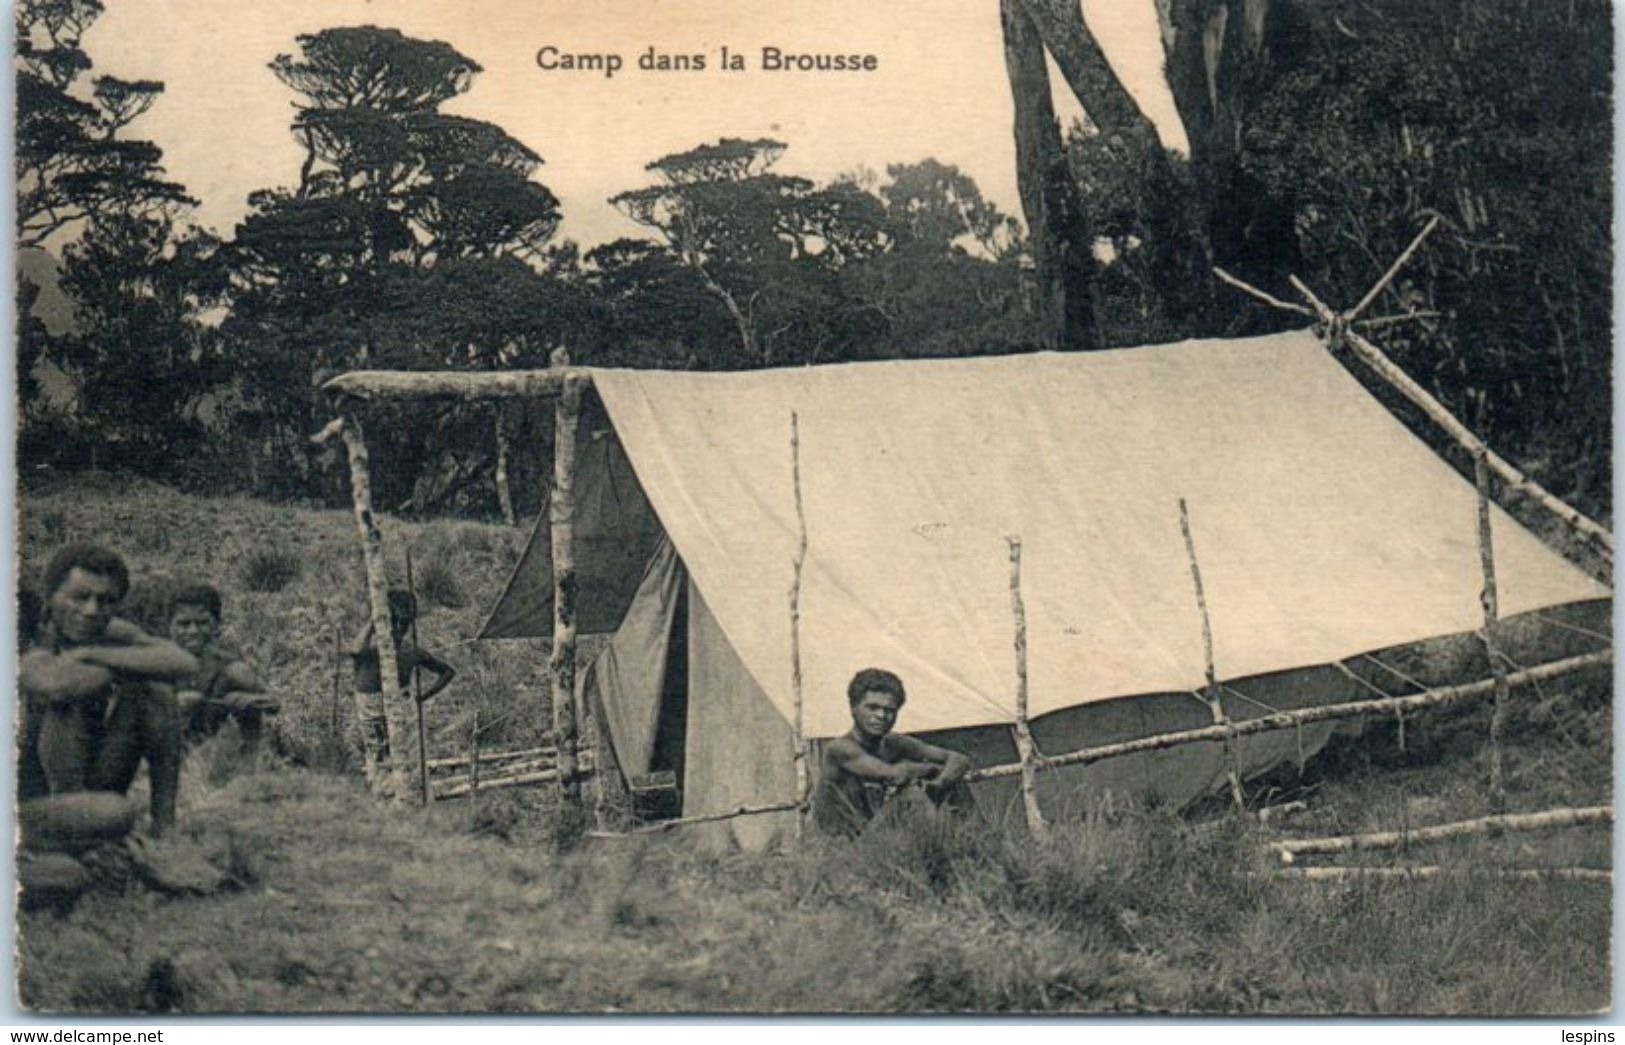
pixel 417 691
pixel 1445 696
pixel 799 738
pixel 474 763
pixel 561 517
pixel 1214 703
pixel 1024 737
pixel 1490 600
pixel 379 763
pixel 1546 821
pixel 1342 874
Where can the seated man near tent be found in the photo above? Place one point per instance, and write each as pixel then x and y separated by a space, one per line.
pixel 99 689
pixel 225 686
pixel 861 770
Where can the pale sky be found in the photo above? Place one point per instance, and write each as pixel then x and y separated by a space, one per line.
pixel 940 90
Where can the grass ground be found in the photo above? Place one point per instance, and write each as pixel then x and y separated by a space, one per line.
pixel 340 905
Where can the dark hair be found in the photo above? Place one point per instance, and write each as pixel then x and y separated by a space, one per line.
pixel 204 595
pixel 870 680
pixel 92 558
pixel 403 607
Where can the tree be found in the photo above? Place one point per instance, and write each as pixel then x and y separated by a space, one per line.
pixel 403 216
pixel 71 164
pixel 764 245
pixel 1491 117
pixel 1218 53
pixel 140 356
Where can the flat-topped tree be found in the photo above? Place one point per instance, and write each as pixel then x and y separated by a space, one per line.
pixel 759 241
pixel 72 162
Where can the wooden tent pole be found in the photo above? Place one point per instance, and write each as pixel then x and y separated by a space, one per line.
pixel 1215 704
pixel 1588 530
pixel 378 753
pixel 561 519
pixel 1444 696
pixel 1491 602
pixel 422 761
pixel 1024 737
pixel 798 739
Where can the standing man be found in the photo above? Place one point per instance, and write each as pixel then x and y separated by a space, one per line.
pixel 859 771
pixel 102 687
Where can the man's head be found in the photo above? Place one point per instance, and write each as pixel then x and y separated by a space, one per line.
pixel 194 617
pixel 875 697
pixel 403 610
pixel 84 584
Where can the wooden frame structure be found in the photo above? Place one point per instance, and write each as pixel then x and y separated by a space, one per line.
pixel 565 384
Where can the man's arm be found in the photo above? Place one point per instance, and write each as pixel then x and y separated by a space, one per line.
pixel 845 754
pixel 237 677
pixel 152 660
pixel 60 678
pixel 954 765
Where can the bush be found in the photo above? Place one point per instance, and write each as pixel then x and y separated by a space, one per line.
pixel 269 569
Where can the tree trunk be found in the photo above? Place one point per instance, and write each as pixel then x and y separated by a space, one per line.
pixel 1062 248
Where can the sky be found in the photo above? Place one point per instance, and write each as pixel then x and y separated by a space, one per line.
pixel 940 89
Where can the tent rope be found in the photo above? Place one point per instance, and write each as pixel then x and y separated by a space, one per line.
pixel 1390 669
pixel 1297 727
pixel 1577 629
pixel 1399 716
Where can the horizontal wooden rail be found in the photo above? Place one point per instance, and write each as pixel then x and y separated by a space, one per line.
pixel 456 761
pixel 1343 874
pixel 465 385
pixel 1550 820
pixel 1443 696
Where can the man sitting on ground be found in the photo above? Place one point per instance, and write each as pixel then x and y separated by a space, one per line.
pixel 225 687
pixel 860 770
pixel 102 687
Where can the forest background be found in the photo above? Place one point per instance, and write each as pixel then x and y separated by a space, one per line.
pixel 418 239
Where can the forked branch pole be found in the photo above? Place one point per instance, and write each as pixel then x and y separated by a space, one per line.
pixel 1491 602
pixel 799 739
pixel 1339 326
pixel 1210 696
pixel 1024 737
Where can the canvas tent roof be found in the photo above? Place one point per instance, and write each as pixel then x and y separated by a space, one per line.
pixel 1323 527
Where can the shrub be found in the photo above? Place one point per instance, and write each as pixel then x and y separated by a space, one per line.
pixel 269 569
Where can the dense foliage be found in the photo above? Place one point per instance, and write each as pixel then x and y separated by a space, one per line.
pixel 415 238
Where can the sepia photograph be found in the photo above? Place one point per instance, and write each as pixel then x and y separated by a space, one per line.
pixel 973 507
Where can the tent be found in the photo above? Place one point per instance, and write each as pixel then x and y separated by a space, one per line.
pixel 1323 528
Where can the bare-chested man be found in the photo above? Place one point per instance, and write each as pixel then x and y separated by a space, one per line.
pixel 101 687
pixel 860 770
